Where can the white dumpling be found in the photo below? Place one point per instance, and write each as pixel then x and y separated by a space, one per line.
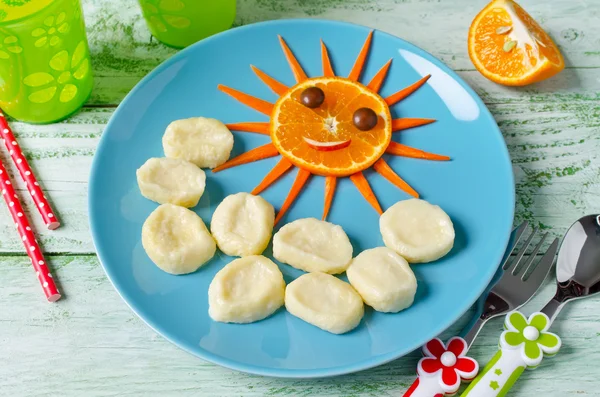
pixel 383 279
pixel 418 231
pixel 324 301
pixel 174 181
pixel 313 245
pixel 242 224
pixel 177 240
pixel 246 290
pixel 203 141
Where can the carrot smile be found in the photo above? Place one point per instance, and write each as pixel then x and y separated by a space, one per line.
pixel 327 146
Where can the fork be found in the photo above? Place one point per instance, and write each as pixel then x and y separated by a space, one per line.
pixel 515 288
pixel 444 366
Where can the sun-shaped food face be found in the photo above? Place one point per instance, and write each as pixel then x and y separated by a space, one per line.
pixel 330 126
pixel 325 140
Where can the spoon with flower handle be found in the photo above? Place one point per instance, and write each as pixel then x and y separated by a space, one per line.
pixel 527 340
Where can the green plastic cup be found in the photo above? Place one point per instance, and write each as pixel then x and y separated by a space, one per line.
pixel 45 71
pixel 179 23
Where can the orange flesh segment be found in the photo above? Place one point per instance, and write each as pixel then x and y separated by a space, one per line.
pixel 327 69
pixel 528 61
pixel 282 166
pixel 299 183
pixel 248 100
pixel 330 184
pixel 364 188
pixel 382 167
pixel 377 80
pixel 403 93
pixel 406 123
pixel 399 149
pixel 360 60
pixel 273 84
pixel 256 127
pixel 294 123
pixel 259 153
pixel 294 64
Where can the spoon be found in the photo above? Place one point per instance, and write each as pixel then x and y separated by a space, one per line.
pixel 526 340
pixel 577 266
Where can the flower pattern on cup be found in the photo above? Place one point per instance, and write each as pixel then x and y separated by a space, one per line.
pixel 68 71
pixel 9 44
pixel 161 14
pixel 448 363
pixel 50 33
pixel 530 336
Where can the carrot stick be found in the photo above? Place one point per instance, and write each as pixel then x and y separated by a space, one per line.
pixel 403 93
pixel 259 153
pixel 274 85
pixel 259 128
pixel 382 167
pixel 330 184
pixel 363 187
pixel 327 69
pixel 248 100
pixel 277 171
pixel 377 80
pixel 406 123
pixel 360 60
pixel 398 149
pixel 294 64
pixel 299 182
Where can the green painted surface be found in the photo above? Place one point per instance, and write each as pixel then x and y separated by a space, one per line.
pixel 91 343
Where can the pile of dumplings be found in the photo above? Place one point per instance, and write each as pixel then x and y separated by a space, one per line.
pixel 252 287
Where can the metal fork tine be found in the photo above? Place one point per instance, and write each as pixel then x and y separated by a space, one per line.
pixel 543 267
pixel 521 252
pixel 530 265
pixel 518 233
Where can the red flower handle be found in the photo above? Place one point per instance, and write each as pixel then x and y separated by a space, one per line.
pixel 442 369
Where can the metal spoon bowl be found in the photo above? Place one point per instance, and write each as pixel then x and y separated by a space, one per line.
pixel 578 264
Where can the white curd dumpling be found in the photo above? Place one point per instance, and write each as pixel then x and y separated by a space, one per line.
pixel 417 230
pixel 313 245
pixel 177 240
pixel 242 224
pixel 199 140
pixel 383 279
pixel 174 181
pixel 324 301
pixel 246 290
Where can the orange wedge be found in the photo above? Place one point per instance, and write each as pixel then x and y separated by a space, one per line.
pixel 324 140
pixel 509 47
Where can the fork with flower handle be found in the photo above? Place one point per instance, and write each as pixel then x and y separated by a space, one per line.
pixel 444 366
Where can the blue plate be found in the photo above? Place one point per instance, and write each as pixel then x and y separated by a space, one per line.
pixel 476 189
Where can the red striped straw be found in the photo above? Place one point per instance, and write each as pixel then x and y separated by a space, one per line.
pixel 27 236
pixel 33 187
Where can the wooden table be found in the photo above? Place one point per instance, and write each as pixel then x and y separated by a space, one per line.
pixel 91 344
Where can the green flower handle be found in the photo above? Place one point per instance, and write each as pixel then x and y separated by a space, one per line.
pixel 523 345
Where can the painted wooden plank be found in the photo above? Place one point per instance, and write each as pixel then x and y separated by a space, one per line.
pixel 91 344
pixel 571 85
pixel 123 50
pixel 554 147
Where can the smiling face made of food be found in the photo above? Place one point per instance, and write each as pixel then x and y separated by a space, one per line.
pixel 330 126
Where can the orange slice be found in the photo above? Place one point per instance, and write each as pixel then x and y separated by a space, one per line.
pixel 509 47
pixel 300 133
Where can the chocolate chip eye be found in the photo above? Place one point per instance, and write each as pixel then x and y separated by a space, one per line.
pixel 364 119
pixel 312 97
